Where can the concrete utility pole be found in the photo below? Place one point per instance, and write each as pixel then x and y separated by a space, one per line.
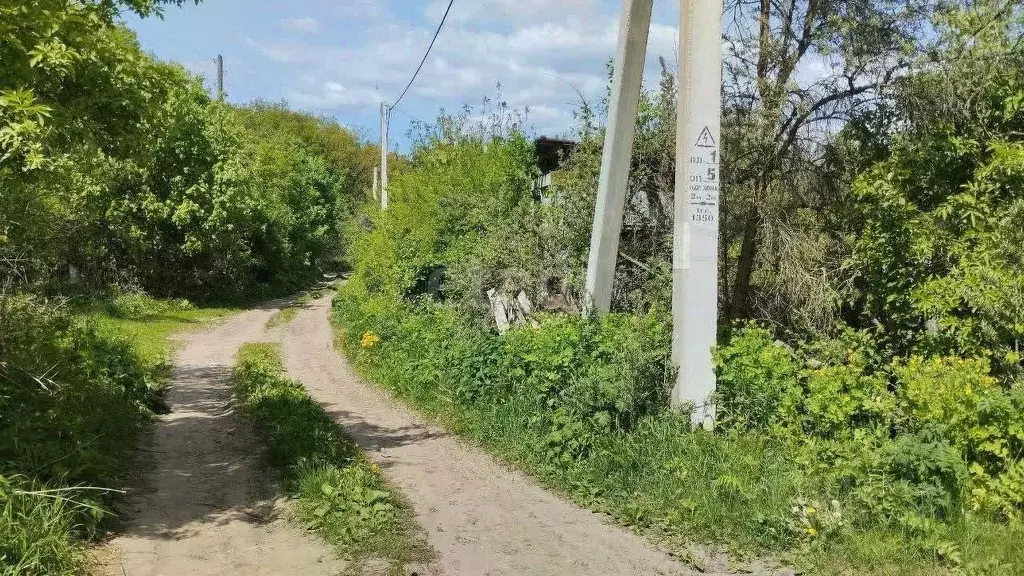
pixel 695 253
pixel 620 134
pixel 385 114
pixel 376 175
pixel 220 77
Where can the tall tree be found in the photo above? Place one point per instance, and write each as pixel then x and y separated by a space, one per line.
pixel 795 72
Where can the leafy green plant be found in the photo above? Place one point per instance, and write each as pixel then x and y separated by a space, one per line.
pixel 975 415
pixel 351 503
pixel 756 381
pixel 73 399
pixel 124 169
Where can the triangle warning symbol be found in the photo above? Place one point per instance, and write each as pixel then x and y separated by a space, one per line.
pixel 705 140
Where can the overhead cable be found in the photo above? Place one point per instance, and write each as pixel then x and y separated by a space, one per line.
pixel 427 53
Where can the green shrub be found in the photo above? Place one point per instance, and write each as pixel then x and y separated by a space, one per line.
pixel 124 167
pixel 609 372
pixel 915 445
pixel 839 400
pixel 977 417
pixel 71 399
pixel 756 381
pixel 72 402
pixel 582 403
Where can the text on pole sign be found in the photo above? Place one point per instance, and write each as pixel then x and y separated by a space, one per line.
pixel 704 180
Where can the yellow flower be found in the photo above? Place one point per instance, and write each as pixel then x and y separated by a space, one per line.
pixel 374 468
pixel 812 531
pixel 369 340
pixel 811 510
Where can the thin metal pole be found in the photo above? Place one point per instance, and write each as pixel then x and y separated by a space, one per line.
pixel 619 136
pixel 384 117
pixel 695 247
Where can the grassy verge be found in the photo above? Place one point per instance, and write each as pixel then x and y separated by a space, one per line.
pixel 77 386
pixel 340 494
pixel 743 493
pixel 148 323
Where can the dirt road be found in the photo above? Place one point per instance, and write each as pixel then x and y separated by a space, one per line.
pixel 208 509
pixel 482 518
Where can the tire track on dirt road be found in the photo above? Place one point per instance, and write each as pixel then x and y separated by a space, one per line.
pixel 482 518
pixel 207 507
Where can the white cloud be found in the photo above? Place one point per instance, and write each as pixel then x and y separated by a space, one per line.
pixel 542 52
pixel 516 12
pixel 360 9
pixel 306 24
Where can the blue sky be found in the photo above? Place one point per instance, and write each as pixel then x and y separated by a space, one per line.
pixel 341 58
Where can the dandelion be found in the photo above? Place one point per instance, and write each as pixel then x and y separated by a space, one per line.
pixel 370 339
pixel 374 468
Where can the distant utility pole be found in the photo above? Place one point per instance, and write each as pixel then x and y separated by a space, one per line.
pixel 376 175
pixel 385 113
pixel 220 77
pixel 695 253
pixel 619 136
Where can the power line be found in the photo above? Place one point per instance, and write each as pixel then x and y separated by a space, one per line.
pixel 427 53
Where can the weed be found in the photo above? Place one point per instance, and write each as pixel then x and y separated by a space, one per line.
pixel 285 315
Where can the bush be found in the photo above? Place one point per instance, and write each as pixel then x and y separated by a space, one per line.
pixel 124 169
pixel 72 402
pixel 756 381
pixel 71 399
pixel 582 403
pixel 921 438
pixel 974 415
pixel 609 372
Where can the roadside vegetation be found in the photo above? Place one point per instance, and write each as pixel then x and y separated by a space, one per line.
pixel 132 205
pixel 871 384
pixel 76 389
pixel 340 494
pixel 871 361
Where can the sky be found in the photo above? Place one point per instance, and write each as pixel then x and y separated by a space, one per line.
pixel 343 57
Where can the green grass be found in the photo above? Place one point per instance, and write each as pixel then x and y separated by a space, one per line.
pixel 285 315
pixel 738 492
pixel 36 531
pixel 340 494
pixel 148 322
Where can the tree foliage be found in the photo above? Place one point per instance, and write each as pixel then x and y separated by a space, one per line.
pixel 123 168
pixel 935 229
pixel 119 172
